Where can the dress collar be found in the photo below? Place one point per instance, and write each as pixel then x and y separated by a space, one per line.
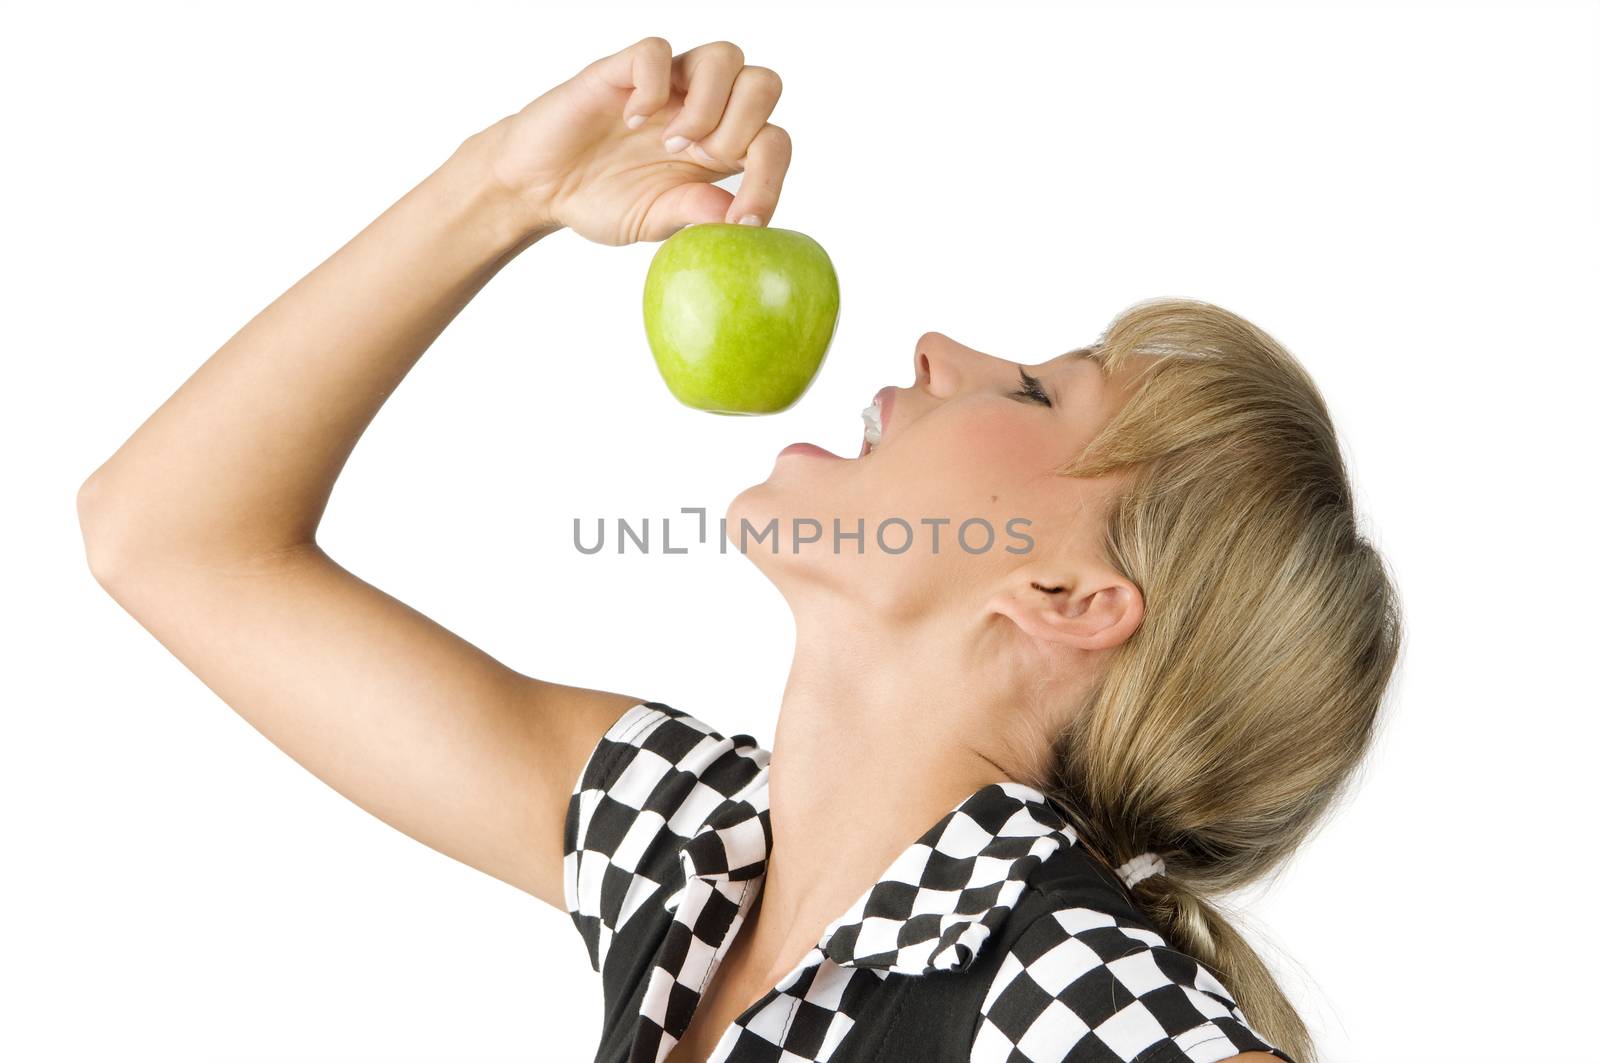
pixel 939 900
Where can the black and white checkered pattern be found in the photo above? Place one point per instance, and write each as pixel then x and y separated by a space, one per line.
pixel 938 902
pixel 651 783
pixel 1077 987
pixel 671 818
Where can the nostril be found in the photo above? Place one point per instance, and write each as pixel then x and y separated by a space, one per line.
pixel 923 372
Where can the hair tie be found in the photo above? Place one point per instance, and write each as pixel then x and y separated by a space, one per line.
pixel 1140 868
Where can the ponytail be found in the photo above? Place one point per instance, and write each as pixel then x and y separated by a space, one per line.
pixel 1198 929
pixel 1224 728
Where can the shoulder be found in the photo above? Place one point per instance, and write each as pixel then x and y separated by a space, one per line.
pixel 656 775
pixel 1089 978
pixel 659 761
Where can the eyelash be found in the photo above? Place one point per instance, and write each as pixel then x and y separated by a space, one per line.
pixel 1031 389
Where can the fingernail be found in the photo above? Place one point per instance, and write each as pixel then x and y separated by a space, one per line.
pixel 749 219
pixel 675 144
pixel 636 121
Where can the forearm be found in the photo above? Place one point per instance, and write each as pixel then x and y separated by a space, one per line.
pixel 241 459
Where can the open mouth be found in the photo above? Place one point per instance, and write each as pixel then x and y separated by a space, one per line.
pixel 875 417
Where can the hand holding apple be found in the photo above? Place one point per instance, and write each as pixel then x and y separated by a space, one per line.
pixel 628 149
pixel 740 317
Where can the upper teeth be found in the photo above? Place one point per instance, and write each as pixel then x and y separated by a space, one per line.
pixel 873 416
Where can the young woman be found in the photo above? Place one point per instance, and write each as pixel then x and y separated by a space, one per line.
pixel 1005 781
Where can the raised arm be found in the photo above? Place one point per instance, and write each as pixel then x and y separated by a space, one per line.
pixel 203 524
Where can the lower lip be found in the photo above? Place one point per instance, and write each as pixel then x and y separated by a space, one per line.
pixel 811 449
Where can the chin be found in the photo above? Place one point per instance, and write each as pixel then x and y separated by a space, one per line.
pixel 767 504
pixel 754 504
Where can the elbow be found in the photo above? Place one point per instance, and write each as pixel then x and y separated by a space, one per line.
pixel 94 524
pixel 120 543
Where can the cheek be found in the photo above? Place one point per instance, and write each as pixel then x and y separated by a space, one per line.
pixel 1014 445
pixel 992 446
pixel 978 462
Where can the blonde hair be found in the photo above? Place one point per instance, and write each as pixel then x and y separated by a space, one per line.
pixel 1223 730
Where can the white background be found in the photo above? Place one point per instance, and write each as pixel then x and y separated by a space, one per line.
pixel 1405 195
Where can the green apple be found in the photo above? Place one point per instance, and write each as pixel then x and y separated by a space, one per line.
pixel 739 317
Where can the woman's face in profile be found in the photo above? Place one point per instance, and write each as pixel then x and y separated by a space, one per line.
pixel 970 442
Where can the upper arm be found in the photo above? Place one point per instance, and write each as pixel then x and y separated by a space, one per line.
pixel 411 722
pixel 1076 983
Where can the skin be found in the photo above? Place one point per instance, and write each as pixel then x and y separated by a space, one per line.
pixel 942 645
pixel 203 526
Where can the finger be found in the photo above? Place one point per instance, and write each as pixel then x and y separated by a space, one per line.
pixel 755 93
pixel 689 203
pixel 645 67
pixel 766 163
pixel 705 75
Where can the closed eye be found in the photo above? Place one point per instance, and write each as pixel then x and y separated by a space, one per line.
pixel 1031 389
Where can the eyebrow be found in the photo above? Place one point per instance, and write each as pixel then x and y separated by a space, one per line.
pixel 1077 353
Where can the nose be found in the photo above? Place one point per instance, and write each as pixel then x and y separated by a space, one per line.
pixel 944 366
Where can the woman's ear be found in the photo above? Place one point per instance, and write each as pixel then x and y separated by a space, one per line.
pixel 1091 609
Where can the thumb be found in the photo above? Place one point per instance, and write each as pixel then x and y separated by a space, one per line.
pixel 690 203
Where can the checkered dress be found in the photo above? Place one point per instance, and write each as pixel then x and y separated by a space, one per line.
pixel 991 939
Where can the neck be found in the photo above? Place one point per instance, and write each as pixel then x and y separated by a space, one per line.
pixel 883 729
